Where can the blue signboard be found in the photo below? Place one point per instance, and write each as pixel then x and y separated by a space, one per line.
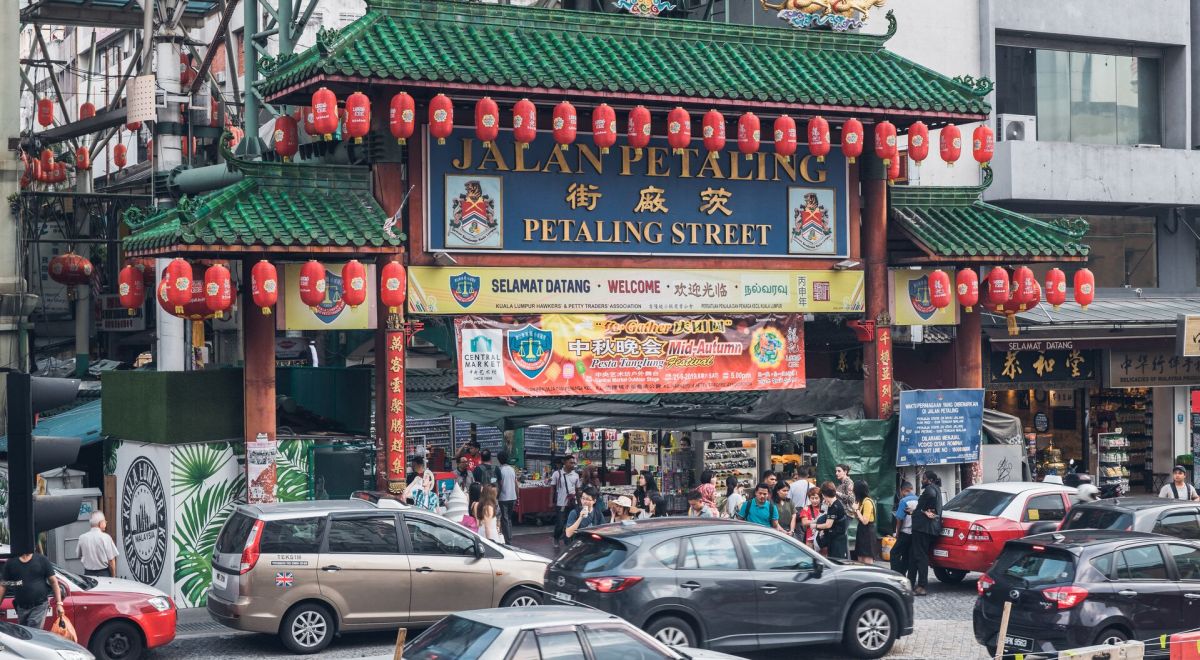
pixel 544 199
pixel 939 427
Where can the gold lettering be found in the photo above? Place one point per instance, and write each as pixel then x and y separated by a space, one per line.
pixel 714 200
pixel 519 165
pixel 531 226
pixel 712 162
pixel 763 235
pixel 734 159
pixel 651 200
pixel 633 231
pixel 677 235
pixel 493 156
pixel 600 237
pixel 629 156
pixel 652 231
pixel 464 162
pixel 685 162
pixel 548 231
pixel 788 165
pixel 585 153
pixel 712 234
pixel 585 233
pixel 557 158
pixel 806 174
pixel 654 162
pixel 747 234
pixel 695 227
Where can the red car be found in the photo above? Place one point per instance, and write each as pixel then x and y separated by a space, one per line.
pixel 979 520
pixel 115 619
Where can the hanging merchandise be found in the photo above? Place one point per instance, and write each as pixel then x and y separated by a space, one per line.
pixel 852 139
pixel 785 136
pixel 939 289
pixel 713 131
pixel 358 116
pixel 312 283
pixel 749 134
pixel 565 124
pixel 325 113
pixel 178 284
pixel 818 138
pixel 604 127
pixel 286 138
pixel 264 285
pixel 45 112
pixel 487 121
pixel 70 269
pixel 218 290
pixel 354 283
pixel 1085 287
pixel 885 142
pixel 87 110
pixel 131 287
pixel 119 155
pixel 918 142
pixel 441 117
pixel 639 129
pixel 83 159
pixel 394 287
pixel 951 144
pixel 402 117
pixel 983 144
pixel 1056 287
pixel 997 288
pixel 1024 287
pixel 967 282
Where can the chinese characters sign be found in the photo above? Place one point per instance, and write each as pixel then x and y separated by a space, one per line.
pixel 574 354
pixel 939 427
pixel 1065 367
pixel 1150 369
pixel 543 199
pixel 433 290
pixel 394 415
pixel 883 363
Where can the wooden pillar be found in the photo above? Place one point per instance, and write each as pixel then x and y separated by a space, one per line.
pixel 969 349
pixel 258 381
pixel 877 354
pixel 854 209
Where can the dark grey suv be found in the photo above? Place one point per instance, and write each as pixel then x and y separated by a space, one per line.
pixel 731 586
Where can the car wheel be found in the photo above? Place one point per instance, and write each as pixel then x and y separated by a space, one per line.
pixel 1111 636
pixel 672 631
pixel 117 640
pixel 521 597
pixel 949 575
pixel 307 628
pixel 870 630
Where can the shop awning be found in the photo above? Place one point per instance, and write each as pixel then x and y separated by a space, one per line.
pixel 1121 317
pixel 488 48
pixel 953 224
pixel 277 207
pixel 81 422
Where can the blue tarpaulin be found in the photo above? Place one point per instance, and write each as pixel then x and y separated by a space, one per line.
pixel 81 422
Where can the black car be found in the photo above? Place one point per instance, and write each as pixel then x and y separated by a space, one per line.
pixel 1178 518
pixel 730 585
pixel 1079 588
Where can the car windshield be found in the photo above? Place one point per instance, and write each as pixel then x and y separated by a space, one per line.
pixel 1086 517
pixel 83 582
pixel 1035 566
pixel 453 637
pixel 590 553
pixel 980 501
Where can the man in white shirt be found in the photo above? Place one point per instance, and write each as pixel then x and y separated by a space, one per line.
pixel 565 485
pixel 799 487
pixel 508 495
pixel 97 550
pixel 1179 488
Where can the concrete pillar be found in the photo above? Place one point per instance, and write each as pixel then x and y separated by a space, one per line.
pixel 258 372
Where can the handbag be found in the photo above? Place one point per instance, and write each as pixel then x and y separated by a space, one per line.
pixel 63 628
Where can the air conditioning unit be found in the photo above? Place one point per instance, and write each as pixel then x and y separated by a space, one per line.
pixel 1016 128
pixel 220 76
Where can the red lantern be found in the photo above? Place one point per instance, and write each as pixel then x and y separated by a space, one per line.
pixel 487 121
pixel 133 126
pixel 286 137
pixel 218 289
pixel 83 158
pixel 45 112
pixel 402 117
pixel 70 269
pixel 325 113
pixel 264 285
pixel 87 110
pixel 852 139
pixel 178 279
pixel 310 128
pixel 394 288
pixel 983 144
pixel 195 309
pixel 60 172
pixel 354 283
pixel 749 134
pixel 639 128
pixel 679 129
pixel 893 170
pixel 237 135
pixel 939 289
pixel 25 180
pixel 967 287
pixel 818 138
pixel 918 142
pixel 36 171
pixel 785 135
pixel 885 141
pixel 441 117
pixel 1024 288
pixel 132 288
pixel 565 124
pixel 524 122
pixel 951 144
pixel 119 155
pixel 713 131
pixel 604 127
pixel 214 112
pixel 997 288
pixel 1056 287
pixel 1085 287
pixel 358 116
pixel 47 158
pixel 312 283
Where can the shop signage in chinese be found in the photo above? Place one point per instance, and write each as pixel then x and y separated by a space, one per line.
pixel 939 427
pixel 543 199
pixel 883 362
pixel 1043 368
pixel 434 290
pixel 1187 339
pixel 114 317
pixel 394 414
pixel 333 313
pixel 910 300
pixel 1150 369
pixel 574 354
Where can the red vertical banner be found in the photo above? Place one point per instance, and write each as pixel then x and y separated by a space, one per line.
pixel 883 366
pixel 393 417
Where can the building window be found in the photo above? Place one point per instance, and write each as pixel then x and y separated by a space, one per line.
pixel 1123 252
pixel 1081 97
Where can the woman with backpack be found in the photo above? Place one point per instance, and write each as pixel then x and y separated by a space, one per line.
pixel 831 527
pixel 866 542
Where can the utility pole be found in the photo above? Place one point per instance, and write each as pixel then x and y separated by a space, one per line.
pixel 12 282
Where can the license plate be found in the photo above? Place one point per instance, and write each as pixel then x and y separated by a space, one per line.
pixel 941 553
pixel 1018 643
pixel 946 531
pixel 220 580
pixel 564 597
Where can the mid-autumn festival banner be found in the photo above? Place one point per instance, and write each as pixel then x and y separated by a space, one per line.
pixel 579 354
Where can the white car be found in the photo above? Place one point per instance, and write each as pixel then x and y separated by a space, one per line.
pixel 22 642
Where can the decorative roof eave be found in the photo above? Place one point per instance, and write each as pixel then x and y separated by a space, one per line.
pixel 221 250
pixel 932 257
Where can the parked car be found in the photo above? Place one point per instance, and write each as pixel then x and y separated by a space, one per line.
pixel 730 585
pixel 1177 518
pixel 1079 588
pixel 543 632
pixel 116 619
pixel 33 644
pixel 979 520
pixel 307 570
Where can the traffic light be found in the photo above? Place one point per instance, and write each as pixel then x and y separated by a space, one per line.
pixel 29 456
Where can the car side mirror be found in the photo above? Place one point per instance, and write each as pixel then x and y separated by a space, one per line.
pixel 478 549
pixel 818 569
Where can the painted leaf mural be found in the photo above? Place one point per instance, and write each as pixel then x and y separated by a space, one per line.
pixel 207 483
pixel 291 470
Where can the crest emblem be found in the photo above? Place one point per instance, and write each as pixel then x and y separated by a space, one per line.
pixel 918 295
pixel 465 288
pixel 530 349
pixel 811 226
pixel 474 220
pixel 332 307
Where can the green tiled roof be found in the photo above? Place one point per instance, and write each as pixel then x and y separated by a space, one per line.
pixel 548 50
pixel 953 223
pixel 277 207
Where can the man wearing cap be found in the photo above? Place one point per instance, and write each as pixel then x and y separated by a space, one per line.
pixel 1179 488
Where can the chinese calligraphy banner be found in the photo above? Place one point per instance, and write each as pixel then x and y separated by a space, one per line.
pixel 1052 369
pixel 1150 369
pixel 576 354
pixel 433 290
pixel 393 417
pixel 578 200
pixel 911 304
pixel 939 427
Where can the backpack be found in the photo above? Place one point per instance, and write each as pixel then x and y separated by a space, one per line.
pixel 490 474
pixel 745 511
